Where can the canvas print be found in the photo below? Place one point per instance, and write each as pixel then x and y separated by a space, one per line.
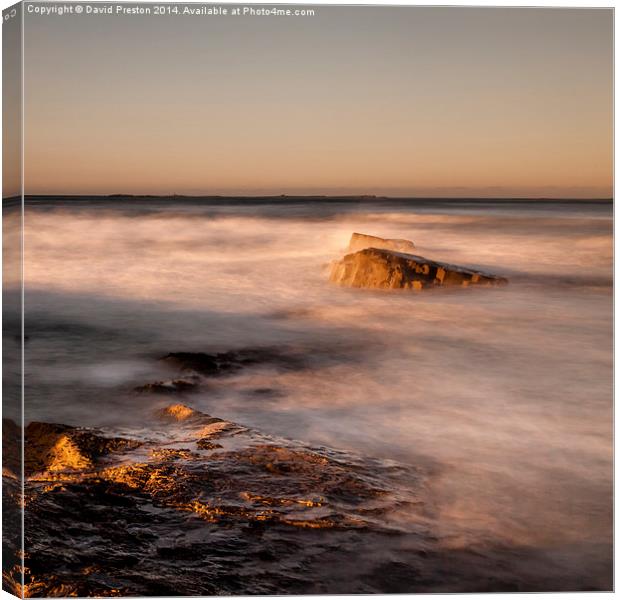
pixel 306 299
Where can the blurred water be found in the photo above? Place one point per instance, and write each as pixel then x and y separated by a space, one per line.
pixel 504 395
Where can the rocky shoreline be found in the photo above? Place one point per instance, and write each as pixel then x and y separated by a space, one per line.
pixel 244 512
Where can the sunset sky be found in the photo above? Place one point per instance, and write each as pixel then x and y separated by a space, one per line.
pixel 401 101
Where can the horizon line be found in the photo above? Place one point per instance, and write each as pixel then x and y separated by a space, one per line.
pixel 314 196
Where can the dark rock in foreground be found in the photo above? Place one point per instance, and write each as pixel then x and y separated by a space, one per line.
pixel 385 269
pixel 361 241
pixel 202 507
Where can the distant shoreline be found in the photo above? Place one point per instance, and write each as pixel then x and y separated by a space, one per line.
pixel 290 199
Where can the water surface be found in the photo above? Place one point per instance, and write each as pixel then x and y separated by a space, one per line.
pixel 503 396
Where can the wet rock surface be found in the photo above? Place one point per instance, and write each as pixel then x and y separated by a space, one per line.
pixel 52 448
pixel 386 269
pixel 361 241
pixel 200 506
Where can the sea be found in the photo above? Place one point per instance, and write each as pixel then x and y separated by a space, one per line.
pixel 502 396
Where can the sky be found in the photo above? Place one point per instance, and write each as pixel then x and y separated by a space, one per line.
pixel 401 101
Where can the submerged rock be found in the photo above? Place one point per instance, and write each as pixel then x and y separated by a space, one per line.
pixel 385 269
pixel 361 241
pixel 174 386
pixel 227 363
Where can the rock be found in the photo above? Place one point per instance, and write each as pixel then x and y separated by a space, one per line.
pixel 227 363
pixel 206 444
pixel 181 413
pixel 361 241
pixel 209 365
pixel 178 412
pixel 385 269
pixel 175 386
pixel 175 518
pixel 50 447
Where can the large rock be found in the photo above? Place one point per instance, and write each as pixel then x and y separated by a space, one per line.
pixel 385 269
pixel 361 241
